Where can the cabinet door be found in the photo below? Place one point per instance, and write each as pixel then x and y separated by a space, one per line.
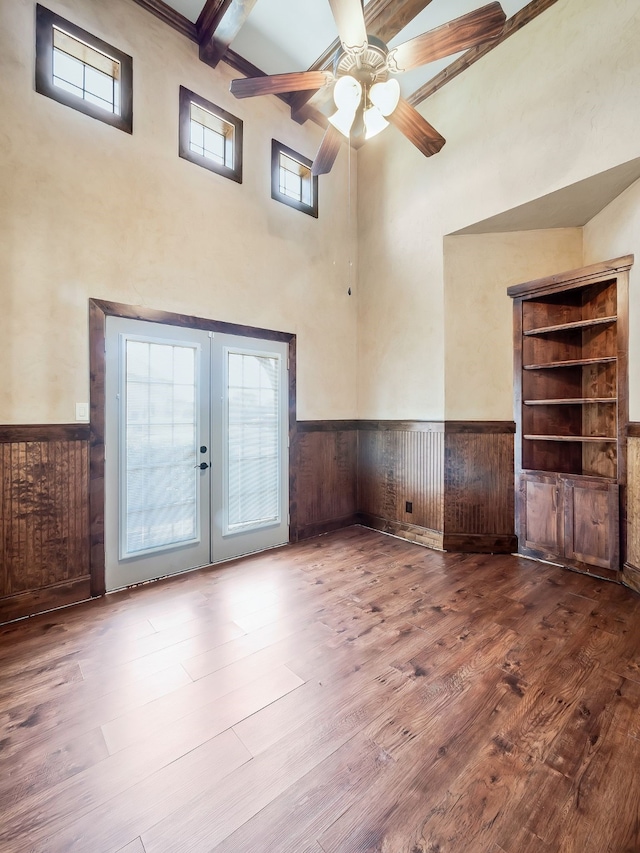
pixel 541 520
pixel 592 530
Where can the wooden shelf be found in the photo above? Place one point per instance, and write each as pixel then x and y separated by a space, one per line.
pixel 578 324
pixel 578 362
pixel 536 472
pixel 570 401
pixel 581 438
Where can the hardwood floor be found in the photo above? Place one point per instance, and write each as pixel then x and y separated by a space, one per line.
pixel 349 694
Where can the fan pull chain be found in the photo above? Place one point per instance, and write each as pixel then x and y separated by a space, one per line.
pixel 350 267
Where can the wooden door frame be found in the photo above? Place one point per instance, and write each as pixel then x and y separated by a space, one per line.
pixel 99 310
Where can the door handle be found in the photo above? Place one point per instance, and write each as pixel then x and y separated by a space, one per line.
pixel 202 466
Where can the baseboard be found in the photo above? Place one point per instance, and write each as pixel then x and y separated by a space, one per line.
pixel 630 576
pixel 480 543
pixel 410 532
pixel 561 562
pixel 48 598
pixel 318 528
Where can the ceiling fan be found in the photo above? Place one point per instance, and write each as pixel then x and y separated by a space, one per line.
pixel 367 99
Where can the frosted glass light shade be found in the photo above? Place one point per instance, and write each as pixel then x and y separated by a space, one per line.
pixel 374 122
pixel 347 93
pixel 385 96
pixel 343 119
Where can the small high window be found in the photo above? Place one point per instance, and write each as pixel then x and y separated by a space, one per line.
pixel 291 180
pixel 82 71
pixel 85 72
pixel 210 136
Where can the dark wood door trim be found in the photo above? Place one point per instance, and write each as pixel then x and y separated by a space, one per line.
pixel 99 310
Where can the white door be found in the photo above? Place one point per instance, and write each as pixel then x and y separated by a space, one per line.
pixel 196 449
pixel 250 460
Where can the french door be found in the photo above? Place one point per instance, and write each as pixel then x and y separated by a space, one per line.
pixel 196 444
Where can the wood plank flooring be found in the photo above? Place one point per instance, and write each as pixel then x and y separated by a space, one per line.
pixel 353 693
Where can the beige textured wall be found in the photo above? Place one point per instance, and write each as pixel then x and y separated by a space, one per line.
pixel 90 211
pixel 478 268
pixel 614 232
pixel 86 210
pixel 555 103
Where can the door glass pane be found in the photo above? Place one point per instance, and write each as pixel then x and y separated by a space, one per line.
pixel 159 478
pixel 253 463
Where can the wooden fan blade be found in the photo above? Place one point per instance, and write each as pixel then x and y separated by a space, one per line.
pixel 328 151
pixel 275 84
pixel 482 25
pixel 349 19
pixel 416 128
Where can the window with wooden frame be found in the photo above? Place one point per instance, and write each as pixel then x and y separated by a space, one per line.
pixel 82 71
pixel 210 136
pixel 291 180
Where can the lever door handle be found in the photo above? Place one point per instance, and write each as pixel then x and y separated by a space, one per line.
pixel 202 466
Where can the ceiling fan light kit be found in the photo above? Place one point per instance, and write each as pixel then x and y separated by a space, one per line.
pixel 385 96
pixel 343 121
pixel 364 96
pixel 383 99
pixel 347 94
pixel 374 122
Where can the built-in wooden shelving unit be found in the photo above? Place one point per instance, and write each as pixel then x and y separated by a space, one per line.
pixel 570 340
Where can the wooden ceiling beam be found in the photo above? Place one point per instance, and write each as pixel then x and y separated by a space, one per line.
pixel 218 24
pixel 515 23
pixel 384 19
pixel 187 28
pixel 169 15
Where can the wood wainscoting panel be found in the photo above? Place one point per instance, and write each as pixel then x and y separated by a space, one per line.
pixel 44 512
pixel 631 570
pixel 325 477
pixel 479 487
pixel 400 479
pixel 442 485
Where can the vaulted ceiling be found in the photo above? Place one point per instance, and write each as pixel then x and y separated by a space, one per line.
pixel 276 36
